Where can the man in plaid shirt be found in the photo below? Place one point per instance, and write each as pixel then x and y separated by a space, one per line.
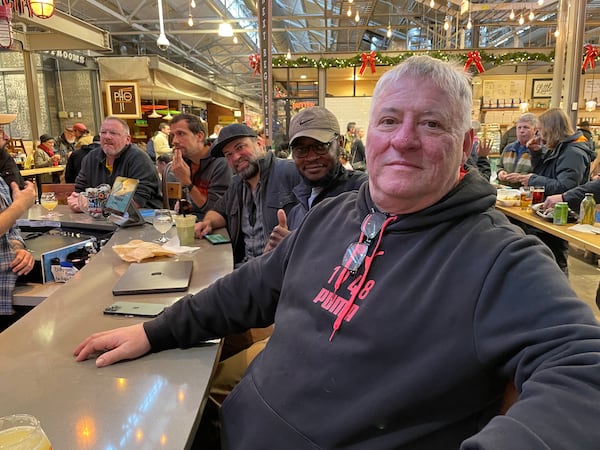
pixel 15 260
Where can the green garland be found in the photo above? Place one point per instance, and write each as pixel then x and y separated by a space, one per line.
pixel 384 60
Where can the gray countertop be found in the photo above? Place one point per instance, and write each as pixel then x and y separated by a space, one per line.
pixel 151 403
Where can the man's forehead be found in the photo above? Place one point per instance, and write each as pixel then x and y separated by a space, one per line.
pixel 232 144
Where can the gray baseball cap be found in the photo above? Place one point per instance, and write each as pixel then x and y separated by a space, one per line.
pixel 228 134
pixel 316 122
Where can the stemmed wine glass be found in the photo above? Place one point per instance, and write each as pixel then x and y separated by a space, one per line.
pixel 162 222
pixel 49 202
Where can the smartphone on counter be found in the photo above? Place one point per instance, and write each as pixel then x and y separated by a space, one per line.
pixel 134 309
pixel 217 239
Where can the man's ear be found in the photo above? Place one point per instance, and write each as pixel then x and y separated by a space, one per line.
pixel 467 145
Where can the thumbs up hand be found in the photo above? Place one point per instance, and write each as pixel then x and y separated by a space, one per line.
pixel 279 232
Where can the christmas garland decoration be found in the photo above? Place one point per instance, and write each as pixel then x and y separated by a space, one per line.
pixel 385 60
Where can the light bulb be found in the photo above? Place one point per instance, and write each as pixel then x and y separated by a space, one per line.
pixel 357 17
pixel 511 16
pixel 350 1
pixel 432 4
pixel 556 33
pixel 193 4
pixel 469 24
pixel 521 20
pixel 349 13
pixel 524 106
pixel 225 30
pixel 190 21
pixel 446 25
pixel 590 105
pixel 531 15
pixel 235 40
pixel 389 32
pixel 540 2
pixel 288 55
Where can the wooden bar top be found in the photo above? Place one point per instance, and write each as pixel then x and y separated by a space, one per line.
pixel 586 241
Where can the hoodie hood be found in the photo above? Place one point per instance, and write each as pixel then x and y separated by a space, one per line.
pixel 472 195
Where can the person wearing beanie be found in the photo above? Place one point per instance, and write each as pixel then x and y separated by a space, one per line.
pixel 44 156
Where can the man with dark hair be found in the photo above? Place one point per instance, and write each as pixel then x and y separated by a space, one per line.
pixel 117 156
pixel 204 178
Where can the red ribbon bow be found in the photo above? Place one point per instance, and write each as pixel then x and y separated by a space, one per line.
pixel 474 58
pixel 367 59
pixel 255 63
pixel 591 53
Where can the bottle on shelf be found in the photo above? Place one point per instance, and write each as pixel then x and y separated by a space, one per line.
pixel 587 210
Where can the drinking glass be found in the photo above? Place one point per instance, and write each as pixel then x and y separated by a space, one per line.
pixel 162 223
pixel 49 202
pixel 20 431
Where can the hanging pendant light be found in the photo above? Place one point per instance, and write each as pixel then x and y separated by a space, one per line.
pixel 43 9
pixel 154 114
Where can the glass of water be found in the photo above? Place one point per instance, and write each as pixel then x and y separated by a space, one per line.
pixel 162 223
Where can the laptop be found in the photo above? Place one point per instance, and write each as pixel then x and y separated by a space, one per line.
pixel 120 203
pixel 154 278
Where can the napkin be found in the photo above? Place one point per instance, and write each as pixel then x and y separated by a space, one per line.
pixel 174 246
pixel 137 250
pixel 591 229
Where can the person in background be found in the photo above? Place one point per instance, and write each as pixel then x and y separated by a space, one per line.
pixel 162 162
pixel 15 260
pixel 560 160
pixel 115 157
pixel 357 151
pixel 479 152
pixel 216 130
pixel 515 159
pixel 584 127
pixel 349 137
pixel 82 135
pixel 355 295
pixel 262 185
pixel 316 144
pixel 9 170
pixel 203 177
pixel 76 158
pixel 160 141
pixel 44 156
pixel 508 136
pixel 64 145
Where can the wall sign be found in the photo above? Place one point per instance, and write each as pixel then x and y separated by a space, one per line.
pixel 541 89
pixel 123 99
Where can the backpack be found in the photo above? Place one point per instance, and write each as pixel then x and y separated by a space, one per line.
pixel 150 149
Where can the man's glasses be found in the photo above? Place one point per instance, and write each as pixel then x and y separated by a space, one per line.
pixel 320 148
pixel 357 251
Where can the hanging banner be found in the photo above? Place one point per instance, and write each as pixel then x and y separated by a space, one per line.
pixel 266 57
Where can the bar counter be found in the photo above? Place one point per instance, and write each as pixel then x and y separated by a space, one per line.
pixel 154 402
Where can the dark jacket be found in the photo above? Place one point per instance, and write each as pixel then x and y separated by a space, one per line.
pixel 132 163
pixel 75 160
pixel 574 196
pixel 563 168
pixel 278 177
pixel 422 358
pixel 9 170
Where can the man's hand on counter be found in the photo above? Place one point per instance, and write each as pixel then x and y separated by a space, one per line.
pixel 114 345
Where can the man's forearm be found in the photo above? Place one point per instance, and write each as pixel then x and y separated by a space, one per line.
pixel 215 219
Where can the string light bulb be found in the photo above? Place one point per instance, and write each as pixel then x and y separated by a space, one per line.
pixel 540 2
pixel 556 33
pixel 432 4
pixel 349 13
pixel 288 55
pixel 357 16
pixel 193 4
pixel 235 39
pixel 190 21
pixel 446 23
pixel 469 23
pixel 531 15
pixel 389 32
pixel 590 105
pixel 511 16
pixel 521 20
